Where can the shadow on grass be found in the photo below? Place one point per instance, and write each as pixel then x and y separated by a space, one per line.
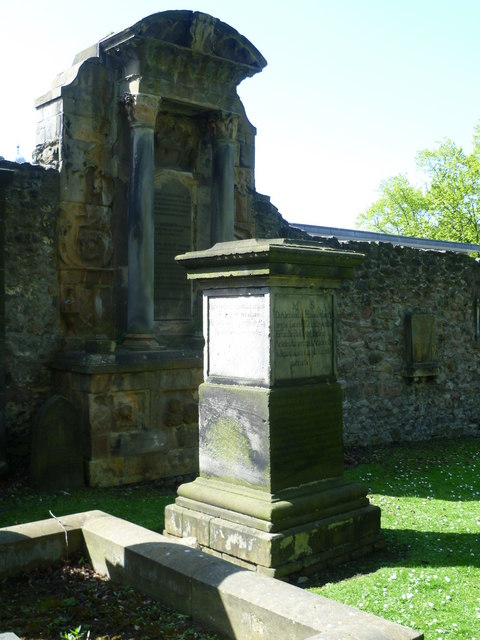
pixel 409 548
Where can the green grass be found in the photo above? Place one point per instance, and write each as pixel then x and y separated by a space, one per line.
pixel 143 504
pixel 428 577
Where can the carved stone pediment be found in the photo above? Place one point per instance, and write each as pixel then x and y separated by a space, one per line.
pixel 194 30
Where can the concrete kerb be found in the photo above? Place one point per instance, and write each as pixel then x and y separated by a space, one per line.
pixel 237 603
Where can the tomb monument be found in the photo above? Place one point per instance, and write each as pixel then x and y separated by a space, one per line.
pixel 156 157
pixel 271 494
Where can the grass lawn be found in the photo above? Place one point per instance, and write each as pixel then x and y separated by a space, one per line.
pixel 143 504
pixel 428 577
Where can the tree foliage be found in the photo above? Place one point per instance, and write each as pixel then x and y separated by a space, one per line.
pixel 447 207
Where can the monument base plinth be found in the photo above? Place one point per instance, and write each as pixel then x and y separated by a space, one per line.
pixel 295 533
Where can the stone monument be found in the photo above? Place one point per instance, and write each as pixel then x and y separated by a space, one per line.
pixel 156 157
pixel 271 493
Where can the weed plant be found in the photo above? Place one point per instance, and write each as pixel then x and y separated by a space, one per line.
pixel 428 577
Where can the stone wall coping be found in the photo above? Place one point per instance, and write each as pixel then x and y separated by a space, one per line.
pixel 236 602
pixel 64 78
pixel 126 361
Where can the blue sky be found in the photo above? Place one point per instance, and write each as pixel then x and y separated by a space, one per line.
pixel 353 88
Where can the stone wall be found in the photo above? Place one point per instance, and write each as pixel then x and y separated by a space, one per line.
pixel 381 402
pixel 31 295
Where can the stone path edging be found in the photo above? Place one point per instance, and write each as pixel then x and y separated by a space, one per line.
pixel 224 597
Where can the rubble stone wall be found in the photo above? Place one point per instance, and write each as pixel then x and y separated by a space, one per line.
pixel 32 332
pixel 381 402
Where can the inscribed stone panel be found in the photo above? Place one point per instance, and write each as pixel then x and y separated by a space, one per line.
pixel 173 236
pixel 303 333
pixel 238 337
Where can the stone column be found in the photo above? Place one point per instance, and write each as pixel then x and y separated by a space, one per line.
pixel 6 176
pixel 142 111
pixel 224 131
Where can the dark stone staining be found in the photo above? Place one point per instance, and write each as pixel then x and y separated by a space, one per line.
pixel 306 443
pixel 234 434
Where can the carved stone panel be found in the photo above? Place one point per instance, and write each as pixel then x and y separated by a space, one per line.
pixel 85 236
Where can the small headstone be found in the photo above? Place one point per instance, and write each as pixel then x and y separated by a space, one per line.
pixel 8 636
pixel 57 447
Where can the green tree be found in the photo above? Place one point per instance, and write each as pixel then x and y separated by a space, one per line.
pixel 446 208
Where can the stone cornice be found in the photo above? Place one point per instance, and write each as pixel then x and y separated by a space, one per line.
pixel 191 30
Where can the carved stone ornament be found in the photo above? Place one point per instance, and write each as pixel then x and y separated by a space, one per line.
pixel 84 243
pixel 223 126
pixel 141 108
pixel 203 33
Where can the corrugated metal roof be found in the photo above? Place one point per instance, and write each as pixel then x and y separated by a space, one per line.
pixel 371 236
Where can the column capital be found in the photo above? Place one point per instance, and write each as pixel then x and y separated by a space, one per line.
pixel 141 108
pixel 223 126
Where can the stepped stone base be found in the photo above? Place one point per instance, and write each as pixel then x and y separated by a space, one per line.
pixel 334 534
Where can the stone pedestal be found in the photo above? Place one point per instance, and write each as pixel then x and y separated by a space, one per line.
pixel 271 493
pixel 138 412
